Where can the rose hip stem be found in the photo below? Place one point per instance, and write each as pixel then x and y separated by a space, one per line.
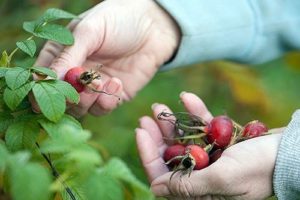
pixel 103 92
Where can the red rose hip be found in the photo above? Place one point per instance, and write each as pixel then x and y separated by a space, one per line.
pixel 254 129
pixel 73 77
pixel 220 131
pixel 172 152
pixel 197 158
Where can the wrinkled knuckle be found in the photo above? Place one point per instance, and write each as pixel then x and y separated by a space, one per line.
pixel 184 188
pixel 64 59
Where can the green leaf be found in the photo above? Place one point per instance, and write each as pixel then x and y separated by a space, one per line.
pixel 21 135
pixel 102 186
pixel 66 139
pixel 55 128
pixel 13 98
pixel 4 156
pixel 30 182
pixel 3 71
pixel 67 90
pixel 51 102
pixel 45 71
pixel 118 169
pixel 31 26
pixel 5 60
pixel 47 31
pixel 26 62
pixel 27 46
pixel 55 14
pixel 17 76
pixel 84 157
pixel 6 119
pixel 56 33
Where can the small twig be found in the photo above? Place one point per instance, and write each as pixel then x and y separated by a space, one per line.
pixel 55 173
pixel 103 92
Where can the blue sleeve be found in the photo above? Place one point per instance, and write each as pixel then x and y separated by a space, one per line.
pixel 287 168
pixel 247 31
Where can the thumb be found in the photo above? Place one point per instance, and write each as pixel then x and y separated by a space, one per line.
pixel 75 55
pixel 198 184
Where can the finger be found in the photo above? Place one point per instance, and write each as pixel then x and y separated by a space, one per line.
pixel 87 99
pixel 198 184
pixel 86 42
pixel 194 105
pixel 148 124
pixel 166 127
pixel 105 103
pixel 149 154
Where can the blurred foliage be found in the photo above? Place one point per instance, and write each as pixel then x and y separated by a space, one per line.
pixel 268 92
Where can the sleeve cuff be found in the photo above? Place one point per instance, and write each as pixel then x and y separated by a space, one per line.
pixel 287 168
pixel 211 30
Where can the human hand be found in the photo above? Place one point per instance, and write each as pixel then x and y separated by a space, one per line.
pixel 130 38
pixel 244 171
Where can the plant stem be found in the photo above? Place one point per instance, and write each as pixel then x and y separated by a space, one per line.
pixel 56 174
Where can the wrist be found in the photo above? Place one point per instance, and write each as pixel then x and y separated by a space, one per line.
pixel 167 26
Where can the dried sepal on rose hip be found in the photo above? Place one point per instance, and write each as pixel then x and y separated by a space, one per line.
pixel 254 129
pixel 195 158
pixel 79 78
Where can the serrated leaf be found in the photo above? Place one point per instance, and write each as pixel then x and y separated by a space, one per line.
pixel 102 186
pixel 30 26
pixel 45 71
pixel 56 33
pixel 47 31
pixel 55 128
pixel 30 182
pixel 66 139
pixel 6 119
pixel 27 46
pixel 118 169
pixel 17 76
pixel 55 14
pixel 51 102
pixel 67 90
pixel 21 135
pixel 4 61
pixel 13 98
pixel 3 71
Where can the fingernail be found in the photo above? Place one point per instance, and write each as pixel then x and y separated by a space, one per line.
pixel 182 93
pixel 112 87
pixel 160 190
pixel 154 105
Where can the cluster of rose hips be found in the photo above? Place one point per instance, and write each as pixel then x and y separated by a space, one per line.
pixel 199 143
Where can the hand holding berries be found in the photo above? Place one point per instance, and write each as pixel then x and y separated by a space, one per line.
pixel 240 171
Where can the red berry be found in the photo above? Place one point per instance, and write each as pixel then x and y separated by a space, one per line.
pixel 215 156
pixel 197 159
pixel 173 151
pixel 220 131
pixel 73 77
pixel 254 129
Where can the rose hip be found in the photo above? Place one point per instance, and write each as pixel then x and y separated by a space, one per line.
pixel 220 131
pixel 254 129
pixel 172 152
pixel 73 77
pixel 197 158
pixel 215 156
pixel 79 78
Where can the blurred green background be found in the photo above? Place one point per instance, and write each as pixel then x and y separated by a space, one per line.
pixel 268 92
